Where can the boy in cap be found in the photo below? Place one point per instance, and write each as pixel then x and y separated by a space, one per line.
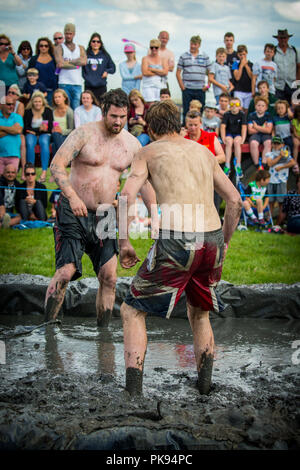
pixel 210 121
pixel 32 84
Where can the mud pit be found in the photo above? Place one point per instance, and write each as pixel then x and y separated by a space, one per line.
pixel 62 387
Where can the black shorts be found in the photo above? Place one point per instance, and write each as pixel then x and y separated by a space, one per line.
pixel 75 236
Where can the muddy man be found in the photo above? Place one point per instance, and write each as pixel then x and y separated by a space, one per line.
pixel 98 153
pixel 190 250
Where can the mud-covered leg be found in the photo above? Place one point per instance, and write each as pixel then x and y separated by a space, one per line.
pixel 135 347
pixel 203 346
pixel 107 292
pixel 56 291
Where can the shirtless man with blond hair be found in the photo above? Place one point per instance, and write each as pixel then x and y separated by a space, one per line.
pixel 98 153
pixel 191 246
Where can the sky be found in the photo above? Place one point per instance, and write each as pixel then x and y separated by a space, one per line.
pixel 253 23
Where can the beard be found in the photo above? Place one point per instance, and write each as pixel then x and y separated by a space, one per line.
pixel 113 128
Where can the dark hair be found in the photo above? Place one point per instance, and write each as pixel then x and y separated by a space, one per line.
pixel 102 48
pixel 116 98
pixel 165 91
pixel 94 99
pixel 262 175
pixel 50 44
pixel 224 95
pixel 25 44
pixel 263 82
pixel 229 35
pixel 28 165
pixel 269 46
pixel 297 112
pixel 193 114
pixel 164 118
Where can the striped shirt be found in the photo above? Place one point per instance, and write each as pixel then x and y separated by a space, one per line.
pixel 194 69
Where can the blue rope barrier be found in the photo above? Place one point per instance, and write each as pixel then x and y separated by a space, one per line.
pixel 34 189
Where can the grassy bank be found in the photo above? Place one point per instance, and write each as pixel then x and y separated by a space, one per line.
pixel 253 258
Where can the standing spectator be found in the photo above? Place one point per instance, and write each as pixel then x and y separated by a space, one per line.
pixel 25 54
pixel 291 209
pixel 130 70
pixel 242 72
pixel 231 54
pixel 15 93
pixel 165 53
pixel 265 69
pixel 70 58
pixel 11 127
pixel 33 84
pixel 63 118
pixel 99 65
pixel 220 75
pixel 136 117
pixel 38 122
pixel 260 126
pixel 193 65
pixel 282 123
pixel 287 59
pixel 88 111
pixel 31 202
pixel 154 68
pixel 8 185
pixel 8 62
pixel 296 137
pixel 58 38
pixel 263 90
pixel 233 134
pixel 44 62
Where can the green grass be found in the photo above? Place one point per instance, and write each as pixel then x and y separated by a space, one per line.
pixel 252 258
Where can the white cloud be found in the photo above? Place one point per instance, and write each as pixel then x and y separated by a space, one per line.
pixel 49 14
pixel 289 10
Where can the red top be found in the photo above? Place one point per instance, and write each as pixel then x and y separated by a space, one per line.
pixel 207 139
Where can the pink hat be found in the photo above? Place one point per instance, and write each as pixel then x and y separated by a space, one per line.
pixel 129 48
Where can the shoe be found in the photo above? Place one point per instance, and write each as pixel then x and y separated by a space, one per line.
pixel 226 170
pixel 6 221
pixel 262 222
pixel 254 221
pixel 239 171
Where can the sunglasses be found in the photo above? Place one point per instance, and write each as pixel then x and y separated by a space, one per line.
pixel 44 45
pixel 29 174
pixel 10 104
pixel 4 43
pixel 12 93
pixel 95 40
pixel 59 37
pixel 25 48
pixel 154 47
pixel 234 104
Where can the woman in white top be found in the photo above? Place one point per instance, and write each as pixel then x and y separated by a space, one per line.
pixel 88 111
pixel 153 69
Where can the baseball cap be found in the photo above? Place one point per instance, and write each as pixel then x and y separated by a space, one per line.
pixel 129 48
pixel 277 140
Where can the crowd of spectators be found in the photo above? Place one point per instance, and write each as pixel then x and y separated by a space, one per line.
pixel 59 88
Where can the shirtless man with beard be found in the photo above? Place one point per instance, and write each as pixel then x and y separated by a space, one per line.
pixel 191 246
pixel 98 153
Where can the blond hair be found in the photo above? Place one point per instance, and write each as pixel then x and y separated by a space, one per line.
pixel 37 94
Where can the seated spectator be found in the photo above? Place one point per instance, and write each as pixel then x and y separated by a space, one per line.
pixel 154 68
pixel 137 111
pixel 223 105
pixel 9 60
pixel 242 72
pixel 44 62
pixel 32 84
pixel 38 123
pixel 63 118
pixel 32 204
pixel 279 161
pixel 220 74
pixel 130 70
pixel 210 121
pixel 11 128
pixel 8 185
pixel 165 94
pixel 260 126
pixel 257 198
pixel 265 69
pixel 233 134
pixel 296 137
pixel 25 54
pixel 282 123
pixel 291 210
pixel 263 90
pixel 88 111
pixel 195 105
pixel 54 202
pixel 15 93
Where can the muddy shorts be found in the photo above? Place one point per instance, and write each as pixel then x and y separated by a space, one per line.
pixel 176 265
pixel 75 236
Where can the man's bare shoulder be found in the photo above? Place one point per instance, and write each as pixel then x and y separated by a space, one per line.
pixel 130 141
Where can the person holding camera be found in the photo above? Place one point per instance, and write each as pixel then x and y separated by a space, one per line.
pixel 136 117
pixel 8 63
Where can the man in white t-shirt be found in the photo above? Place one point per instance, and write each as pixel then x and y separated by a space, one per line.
pixel 70 58
pixel 166 54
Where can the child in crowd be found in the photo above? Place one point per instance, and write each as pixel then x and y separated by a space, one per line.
pixel 210 121
pixel 233 134
pixel 265 69
pixel 260 126
pixel 220 75
pixel 54 202
pixel 282 123
pixel 223 105
pixel 242 72
pixel 165 94
pixel 296 137
pixel 32 84
pixel 257 198
pixel 263 90
pixel 279 161
pixel 195 105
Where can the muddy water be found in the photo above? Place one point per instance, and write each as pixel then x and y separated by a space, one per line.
pixel 63 387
